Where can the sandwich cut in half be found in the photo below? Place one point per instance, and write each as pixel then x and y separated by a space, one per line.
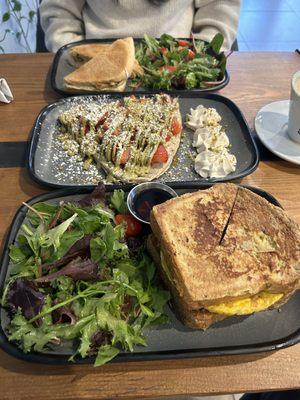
pixel 234 254
pixel 107 70
pixel 80 54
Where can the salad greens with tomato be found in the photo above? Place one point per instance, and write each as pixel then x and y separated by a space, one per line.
pixel 180 64
pixel 79 272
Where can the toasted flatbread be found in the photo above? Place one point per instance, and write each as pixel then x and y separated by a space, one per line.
pixel 105 70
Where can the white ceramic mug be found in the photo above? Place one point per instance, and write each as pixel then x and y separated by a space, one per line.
pixel 294 113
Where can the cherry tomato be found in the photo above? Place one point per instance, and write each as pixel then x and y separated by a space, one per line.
pixel 183 43
pixel 170 68
pixel 163 50
pixel 161 155
pixel 191 55
pixel 125 156
pixel 176 126
pixel 133 228
pixel 168 137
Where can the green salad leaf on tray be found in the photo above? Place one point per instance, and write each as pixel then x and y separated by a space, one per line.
pixel 76 275
pixel 170 63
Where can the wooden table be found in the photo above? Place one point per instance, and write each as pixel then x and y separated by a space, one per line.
pixel 256 79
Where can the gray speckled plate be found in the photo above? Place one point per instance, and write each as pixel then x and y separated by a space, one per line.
pixel 49 165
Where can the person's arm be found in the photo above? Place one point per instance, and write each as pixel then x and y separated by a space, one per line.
pixel 213 16
pixel 62 22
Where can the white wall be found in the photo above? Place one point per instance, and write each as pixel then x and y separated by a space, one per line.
pixel 10 43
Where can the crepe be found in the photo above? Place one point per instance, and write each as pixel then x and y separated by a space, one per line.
pixel 108 70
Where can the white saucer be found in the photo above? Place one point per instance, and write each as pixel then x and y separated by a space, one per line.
pixel 271 127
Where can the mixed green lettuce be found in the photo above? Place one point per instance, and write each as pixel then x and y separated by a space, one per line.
pixel 73 277
pixel 171 63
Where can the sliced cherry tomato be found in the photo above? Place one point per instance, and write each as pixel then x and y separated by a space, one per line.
pixel 170 68
pixel 133 228
pixel 176 126
pixel 163 50
pixel 161 155
pixel 191 55
pixel 168 137
pixel 125 156
pixel 183 43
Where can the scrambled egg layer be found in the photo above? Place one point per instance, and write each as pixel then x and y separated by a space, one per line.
pixel 249 305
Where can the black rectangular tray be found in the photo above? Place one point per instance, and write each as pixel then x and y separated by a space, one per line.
pixel 61 67
pixel 264 331
pixel 48 165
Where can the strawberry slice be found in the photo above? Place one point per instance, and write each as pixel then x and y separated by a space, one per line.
pixel 176 126
pixel 125 157
pixel 161 155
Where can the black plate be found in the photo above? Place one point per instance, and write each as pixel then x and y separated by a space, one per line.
pixel 264 331
pixel 61 68
pixel 45 160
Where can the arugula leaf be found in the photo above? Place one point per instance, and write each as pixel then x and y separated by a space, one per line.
pixel 16 254
pixel 105 354
pixel 52 237
pixel 118 201
pixel 86 337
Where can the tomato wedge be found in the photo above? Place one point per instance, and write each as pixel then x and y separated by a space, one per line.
pixel 191 55
pixel 124 157
pixel 133 227
pixel 161 155
pixel 176 126
pixel 163 50
pixel 170 68
pixel 183 43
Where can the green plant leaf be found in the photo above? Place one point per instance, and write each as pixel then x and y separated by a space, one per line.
pixel 5 17
pixel 17 5
pixel 217 42
pixel 31 15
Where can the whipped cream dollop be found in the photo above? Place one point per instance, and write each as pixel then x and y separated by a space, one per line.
pixel 211 142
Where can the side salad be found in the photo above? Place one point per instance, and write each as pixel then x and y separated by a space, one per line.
pixel 79 272
pixel 180 64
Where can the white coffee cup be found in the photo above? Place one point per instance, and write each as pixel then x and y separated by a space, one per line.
pixel 294 113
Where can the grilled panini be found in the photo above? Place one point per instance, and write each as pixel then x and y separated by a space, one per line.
pixel 234 254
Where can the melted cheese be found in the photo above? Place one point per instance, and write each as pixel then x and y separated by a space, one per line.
pixel 249 305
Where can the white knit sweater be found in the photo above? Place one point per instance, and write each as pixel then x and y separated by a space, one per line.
pixel 66 21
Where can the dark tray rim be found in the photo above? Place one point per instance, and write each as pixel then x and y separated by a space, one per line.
pixel 35 131
pixel 13 350
pixel 88 41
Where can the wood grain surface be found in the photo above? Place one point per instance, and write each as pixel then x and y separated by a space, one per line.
pixel 256 79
